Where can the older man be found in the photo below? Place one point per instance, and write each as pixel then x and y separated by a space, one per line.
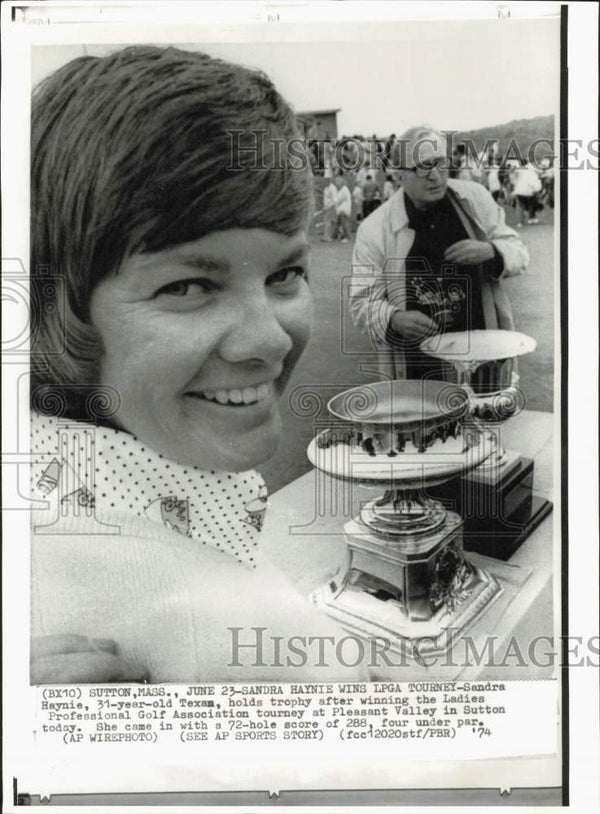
pixel 431 259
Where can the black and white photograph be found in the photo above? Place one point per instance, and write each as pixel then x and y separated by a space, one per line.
pixel 290 403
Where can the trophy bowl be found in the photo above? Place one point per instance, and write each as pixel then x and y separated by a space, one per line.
pixel 485 364
pixel 407 435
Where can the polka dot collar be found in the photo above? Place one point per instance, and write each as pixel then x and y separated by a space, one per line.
pixel 105 470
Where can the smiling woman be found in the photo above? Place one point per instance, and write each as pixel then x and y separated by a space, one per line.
pixel 173 305
pixel 201 361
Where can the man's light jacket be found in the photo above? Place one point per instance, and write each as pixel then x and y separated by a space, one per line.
pixel 383 242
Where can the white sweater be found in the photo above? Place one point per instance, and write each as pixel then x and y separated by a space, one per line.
pixel 343 201
pixel 152 580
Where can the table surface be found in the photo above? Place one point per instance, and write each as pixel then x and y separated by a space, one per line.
pixel 304 537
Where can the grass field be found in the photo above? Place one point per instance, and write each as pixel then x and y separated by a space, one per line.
pixel 334 357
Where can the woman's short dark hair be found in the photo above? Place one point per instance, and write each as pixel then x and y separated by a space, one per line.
pixel 139 151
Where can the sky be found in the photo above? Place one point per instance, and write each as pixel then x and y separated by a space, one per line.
pixel 456 75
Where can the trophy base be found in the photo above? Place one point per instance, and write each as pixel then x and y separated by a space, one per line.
pixel 417 594
pixel 364 614
pixel 498 506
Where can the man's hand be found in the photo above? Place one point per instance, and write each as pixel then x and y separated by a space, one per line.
pixel 413 325
pixel 469 252
pixel 71 659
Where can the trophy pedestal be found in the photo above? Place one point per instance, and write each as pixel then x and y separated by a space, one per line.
pixel 408 588
pixel 497 505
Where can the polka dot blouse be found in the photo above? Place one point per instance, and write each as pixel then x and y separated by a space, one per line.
pixel 108 471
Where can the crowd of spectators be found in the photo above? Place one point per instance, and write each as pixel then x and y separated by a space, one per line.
pixel 361 173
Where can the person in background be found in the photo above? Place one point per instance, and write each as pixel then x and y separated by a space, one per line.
pixel 343 209
pixel 329 211
pixel 371 195
pixel 456 160
pixel 316 150
pixel 357 202
pixel 328 158
pixel 388 151
pixel 368 151
pixel 404 251
pixel 506 177
pixel 547 179
pixel 363 171
pixel 526 186
pixel 493 181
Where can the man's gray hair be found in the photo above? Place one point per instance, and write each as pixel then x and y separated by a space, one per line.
pixel 411 141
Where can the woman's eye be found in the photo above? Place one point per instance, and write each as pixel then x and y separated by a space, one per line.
pixel 185 288
pixel 287 275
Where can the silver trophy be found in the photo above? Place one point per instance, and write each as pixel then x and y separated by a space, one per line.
pixel 496 498
pixel 406 577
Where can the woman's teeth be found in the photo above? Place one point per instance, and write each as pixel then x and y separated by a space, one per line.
pixel 244 395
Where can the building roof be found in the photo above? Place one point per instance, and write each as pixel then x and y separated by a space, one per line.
pixel 318 112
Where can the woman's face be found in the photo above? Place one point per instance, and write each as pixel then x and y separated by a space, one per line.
pixel 200 341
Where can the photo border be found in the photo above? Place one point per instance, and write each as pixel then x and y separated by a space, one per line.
pixel 24 798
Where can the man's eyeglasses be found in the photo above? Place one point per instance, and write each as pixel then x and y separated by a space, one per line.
pixel 425 168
